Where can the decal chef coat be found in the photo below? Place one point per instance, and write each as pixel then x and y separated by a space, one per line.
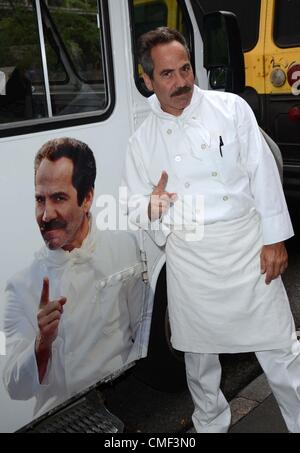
pixel 103 326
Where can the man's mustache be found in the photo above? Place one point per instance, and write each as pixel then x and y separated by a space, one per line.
pixel 53 225
pixel 181 90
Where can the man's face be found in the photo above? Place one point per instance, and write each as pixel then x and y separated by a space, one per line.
pixel 173 77
pixel 63 224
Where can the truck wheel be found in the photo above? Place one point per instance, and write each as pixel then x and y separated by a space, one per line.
pixel 163 369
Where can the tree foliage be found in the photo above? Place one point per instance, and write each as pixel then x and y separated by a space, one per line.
pixel 75 21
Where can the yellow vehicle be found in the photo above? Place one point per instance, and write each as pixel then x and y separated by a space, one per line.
pixel 271 43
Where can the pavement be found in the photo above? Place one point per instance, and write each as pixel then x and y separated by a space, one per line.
pixel 254 410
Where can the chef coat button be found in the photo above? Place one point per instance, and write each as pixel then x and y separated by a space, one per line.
pixel 103 284
pixel 194 117
pixel 169 131
pixel 225 198
pixel 203 146
pixel 119 277
pixel 178 158
pixel 214 174
pixel 187 185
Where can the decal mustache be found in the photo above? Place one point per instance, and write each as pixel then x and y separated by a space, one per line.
pixel 53 225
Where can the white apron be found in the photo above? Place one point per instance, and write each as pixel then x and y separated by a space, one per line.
pixel 218 299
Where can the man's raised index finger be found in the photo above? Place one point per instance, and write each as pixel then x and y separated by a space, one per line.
pixel 162 183
pixel 45 293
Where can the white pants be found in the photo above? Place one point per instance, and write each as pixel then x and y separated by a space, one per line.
pixel 212 411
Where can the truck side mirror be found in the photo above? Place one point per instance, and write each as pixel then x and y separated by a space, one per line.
pixel 223 54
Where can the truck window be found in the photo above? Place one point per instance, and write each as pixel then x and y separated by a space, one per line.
pixel 20 62
pixel 71 79
pixel 286 23
pixel 75 39
pixel 248 14
pixel 147 15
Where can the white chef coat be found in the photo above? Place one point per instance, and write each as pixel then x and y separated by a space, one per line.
pixel 104 325
pixel 218 299
pixel 188 148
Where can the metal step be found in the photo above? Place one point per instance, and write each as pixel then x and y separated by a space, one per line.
pixel 86 415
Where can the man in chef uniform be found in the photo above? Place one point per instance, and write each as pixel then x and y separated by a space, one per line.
pixel 225 291
pixel 70 317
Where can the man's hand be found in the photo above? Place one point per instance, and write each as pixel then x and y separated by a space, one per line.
pixel 160 199
pixel 48 317
pixel 274 261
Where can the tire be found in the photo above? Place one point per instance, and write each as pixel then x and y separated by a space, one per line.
pixel 163 369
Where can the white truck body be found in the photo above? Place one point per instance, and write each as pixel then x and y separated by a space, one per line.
pixel 107 137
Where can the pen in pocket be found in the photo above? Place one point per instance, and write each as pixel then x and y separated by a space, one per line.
pixel 221 144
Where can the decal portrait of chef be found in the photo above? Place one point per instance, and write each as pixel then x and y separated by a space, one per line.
pixel 69 317
pixel 225 293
